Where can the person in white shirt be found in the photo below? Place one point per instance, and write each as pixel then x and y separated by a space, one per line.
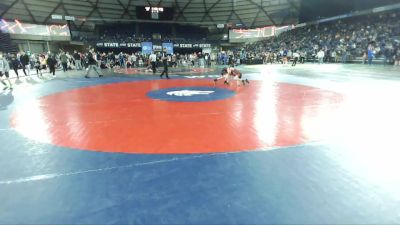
pixel 333 56
pixel 153 61
pixel 206 59
pixel 320 56
pixel 4 70
pixel 302 57
pixel 289 56
pixel 133 60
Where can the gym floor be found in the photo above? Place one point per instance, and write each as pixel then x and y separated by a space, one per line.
pixel 311 144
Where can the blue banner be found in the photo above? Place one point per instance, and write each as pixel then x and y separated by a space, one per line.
pixel 147 47
pixel 169 47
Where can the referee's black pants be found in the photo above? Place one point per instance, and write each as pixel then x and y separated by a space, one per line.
pixel 165 71
pixel 153 67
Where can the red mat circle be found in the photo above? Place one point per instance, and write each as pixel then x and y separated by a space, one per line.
pixel 119 117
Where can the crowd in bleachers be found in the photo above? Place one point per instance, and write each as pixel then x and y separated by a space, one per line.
pixel 376 35
pixel 148 32
pixel 134 38
pixel 123 37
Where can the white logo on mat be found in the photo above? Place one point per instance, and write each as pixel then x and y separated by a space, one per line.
pixel 194 77
pixel 189 93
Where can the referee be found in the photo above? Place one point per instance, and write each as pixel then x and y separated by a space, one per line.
pixel 164 58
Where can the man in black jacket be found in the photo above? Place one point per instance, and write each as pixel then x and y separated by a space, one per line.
pixel 24 59
pixel 15 64
pixel 92 63
pixel 164 58
pixel 52 62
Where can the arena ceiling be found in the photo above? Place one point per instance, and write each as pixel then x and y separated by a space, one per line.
pixel 249 13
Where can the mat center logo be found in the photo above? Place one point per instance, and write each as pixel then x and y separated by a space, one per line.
pixel 191 94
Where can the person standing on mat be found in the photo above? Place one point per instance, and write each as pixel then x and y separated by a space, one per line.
pixel 38 67
pixel 52 62
pixel 371 54
pixel 24 59
pixel 164 58
pixel 153 61
pixel 4 70
pixel 77 60
pixel 15 64
pixel 64 61
pixel 296 57
pixel 92 64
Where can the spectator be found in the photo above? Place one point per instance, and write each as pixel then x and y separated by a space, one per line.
pixel 371 54
pixel 320 56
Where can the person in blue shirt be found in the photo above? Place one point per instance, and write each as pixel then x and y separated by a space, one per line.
pixel 121 60
pixel 371 55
